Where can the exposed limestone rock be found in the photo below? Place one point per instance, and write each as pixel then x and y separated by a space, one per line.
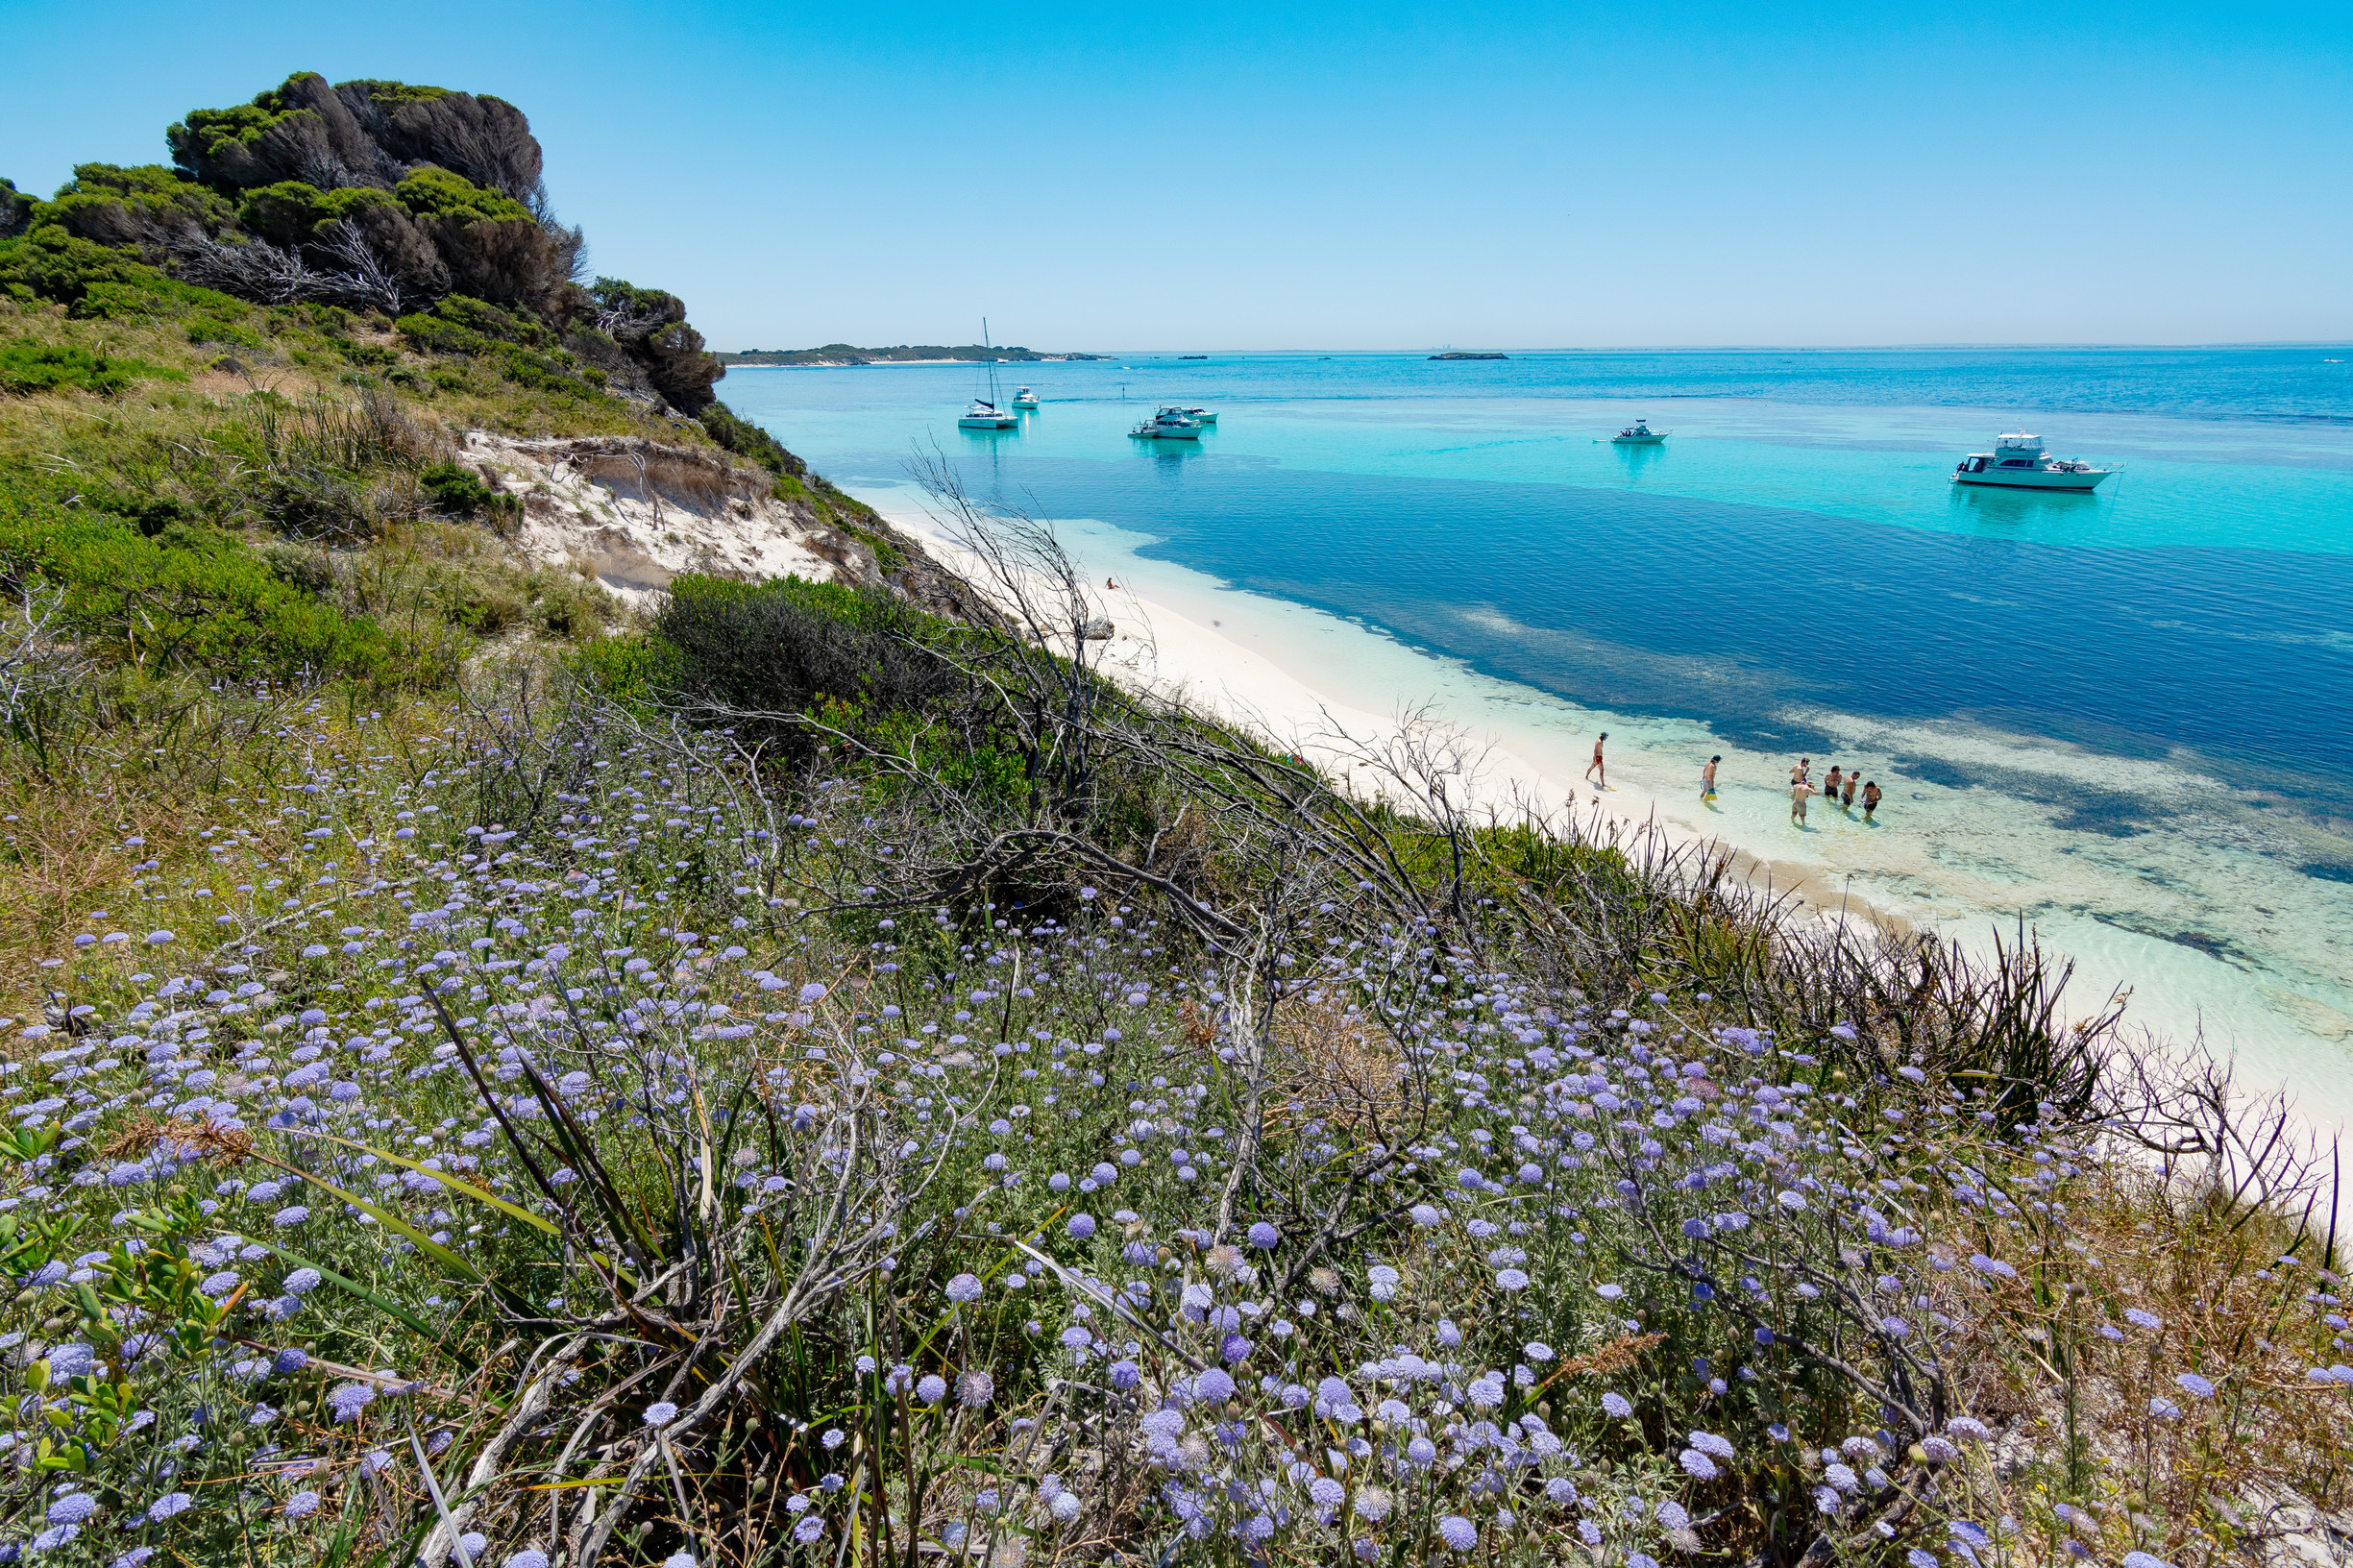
pixel 635 513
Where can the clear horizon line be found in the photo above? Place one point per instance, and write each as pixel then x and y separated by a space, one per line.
pixel 1689 348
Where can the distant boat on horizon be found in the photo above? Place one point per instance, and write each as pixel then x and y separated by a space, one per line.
pixel 2019 462
pixel 1459 355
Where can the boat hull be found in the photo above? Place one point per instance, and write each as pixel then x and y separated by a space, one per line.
pixel 2035 479
pixel 1165 435
pixel 1638 440
pixel 989 422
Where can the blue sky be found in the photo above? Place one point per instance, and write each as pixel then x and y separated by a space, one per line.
pixel 1361 176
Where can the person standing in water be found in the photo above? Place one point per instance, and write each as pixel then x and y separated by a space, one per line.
pixel 1804 766
pixel 1871 798
pixel 1829 784
pixel 1595 766
pixel 1708 777
pixel 1848 803
pixel 1798 793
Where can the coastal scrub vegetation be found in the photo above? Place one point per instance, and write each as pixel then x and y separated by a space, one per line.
pixel 806 1079
pixel 816 1082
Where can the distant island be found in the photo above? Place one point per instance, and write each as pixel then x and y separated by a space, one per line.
pixel 1449 357
pixel 842 354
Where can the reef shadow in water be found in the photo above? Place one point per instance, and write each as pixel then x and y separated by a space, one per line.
pixel 2219 948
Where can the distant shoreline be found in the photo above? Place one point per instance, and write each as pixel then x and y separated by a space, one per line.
pixel 734 363
pixel 833 355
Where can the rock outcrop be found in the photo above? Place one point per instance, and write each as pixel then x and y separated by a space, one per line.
pixel 634 513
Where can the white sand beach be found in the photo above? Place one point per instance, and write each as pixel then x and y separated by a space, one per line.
pixel 1962 862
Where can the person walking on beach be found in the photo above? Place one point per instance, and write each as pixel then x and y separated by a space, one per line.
pixel 1798 793
pixel 1848 803
pixel 1595 766
pixel 1829 784
pixel 1871 798
pixel 1708 777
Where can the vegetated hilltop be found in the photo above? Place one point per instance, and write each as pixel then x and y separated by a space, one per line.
pixel 842 354
pixel 236 396
pixel 804 1079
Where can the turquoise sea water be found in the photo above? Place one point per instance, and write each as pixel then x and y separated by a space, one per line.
pixel 2121 716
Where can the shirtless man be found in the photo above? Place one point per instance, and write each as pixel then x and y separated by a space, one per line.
pixel 1708 777
pixel 1871 798
pixel 1595 766
pixel 1846 801
pixel 1829 784
pixel 1798 793
pixel 1804 767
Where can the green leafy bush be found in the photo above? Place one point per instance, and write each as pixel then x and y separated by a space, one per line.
pixel 92 280
pixel 459 492
pixel 199 602
pixel 41 367
pixel 111 205
pixel 432 192
pixel 790 646
pixel 746 439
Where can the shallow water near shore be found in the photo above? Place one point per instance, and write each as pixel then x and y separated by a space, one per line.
pixel 2117 715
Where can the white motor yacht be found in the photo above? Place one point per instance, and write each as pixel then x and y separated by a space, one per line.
pixel 1025 399
pixel 1638 435
pixel 2019 461
pixel 1202 416
pixel 1169 425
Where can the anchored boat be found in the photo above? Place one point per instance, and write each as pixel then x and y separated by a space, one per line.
pixel 2019 461
pixel 1170 424
pixel 989 413
pixel 1025 399
pixel 1638 435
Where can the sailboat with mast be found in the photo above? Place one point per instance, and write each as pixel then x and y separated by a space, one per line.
pixel 989 413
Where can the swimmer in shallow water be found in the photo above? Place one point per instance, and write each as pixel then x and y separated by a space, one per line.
pixel 1871 798
pixel 1798 793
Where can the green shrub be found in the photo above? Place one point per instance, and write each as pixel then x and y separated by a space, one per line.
pixel 27 368
pixel 92 280
pixel 459 492
pixel 746 439
pixel 212 328
pixel 791 647
pixel 432 192
pixel 567 605
pixel 111 205
pixel 195 602
pixel 633 669
pixel 16 210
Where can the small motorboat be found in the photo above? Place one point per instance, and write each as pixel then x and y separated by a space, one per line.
pixel 1025 399
pixel 1638 435
pixel 2019 462
pixel 1169 424
pixel 1201 416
